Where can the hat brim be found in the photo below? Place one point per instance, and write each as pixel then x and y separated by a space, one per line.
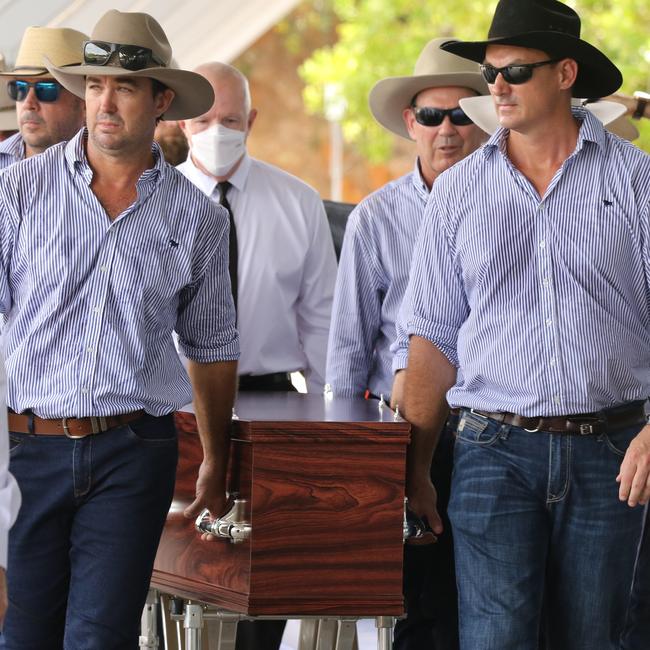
pixel 26 72
pixel 483 113
pixel 389 97
pixel 193 92
pixel 597 75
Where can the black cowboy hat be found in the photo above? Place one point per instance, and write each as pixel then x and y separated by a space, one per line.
pixel 554 28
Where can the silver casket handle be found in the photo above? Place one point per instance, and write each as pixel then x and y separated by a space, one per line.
pixel 231 526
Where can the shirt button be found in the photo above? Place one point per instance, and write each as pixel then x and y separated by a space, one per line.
pixel 545 282
pixel 84 391
pixel 552 362
pixel 97 310
pixel 556 399
pixel 542 244
pixel 103 268
pixel 90 349
pixel 549 322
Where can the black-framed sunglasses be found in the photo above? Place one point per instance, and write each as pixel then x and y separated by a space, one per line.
pixel 431 116
pixel 45 91
pixel 130 57
pixel 517 73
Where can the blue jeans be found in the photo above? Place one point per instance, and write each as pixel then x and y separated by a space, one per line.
pixel 637 627
pixel 537 519
pixel 82 549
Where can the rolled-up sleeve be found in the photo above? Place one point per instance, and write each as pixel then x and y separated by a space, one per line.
pixel 206 323
pixel 438 304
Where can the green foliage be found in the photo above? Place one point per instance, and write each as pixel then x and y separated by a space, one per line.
pixel 382 38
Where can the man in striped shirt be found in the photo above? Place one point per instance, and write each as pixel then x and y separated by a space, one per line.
pixel 47 113
pixel 105 250
pixel 372 278
pixel 530 312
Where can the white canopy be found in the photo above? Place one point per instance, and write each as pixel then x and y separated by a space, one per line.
pixel 198 30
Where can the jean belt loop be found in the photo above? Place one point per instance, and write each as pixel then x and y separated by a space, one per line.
pixel 30 426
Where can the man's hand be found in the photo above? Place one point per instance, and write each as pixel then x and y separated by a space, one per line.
pixel 214 393
pixel 210 494
pixel 634 475
pixel 397 391
pixel 423 501
pixel 4 600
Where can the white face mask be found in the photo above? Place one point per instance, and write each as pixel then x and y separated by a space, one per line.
pixel 218 148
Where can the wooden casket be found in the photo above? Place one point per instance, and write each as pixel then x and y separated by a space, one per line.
pixel 321 487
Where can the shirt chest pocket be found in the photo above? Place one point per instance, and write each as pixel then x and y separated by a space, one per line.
pixel 150 273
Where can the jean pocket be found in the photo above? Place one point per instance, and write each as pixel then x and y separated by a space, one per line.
pixel 477 430
pixel 153 431
pixel 16 441
pixel 619 440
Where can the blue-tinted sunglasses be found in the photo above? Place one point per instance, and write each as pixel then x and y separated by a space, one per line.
pixel 46 91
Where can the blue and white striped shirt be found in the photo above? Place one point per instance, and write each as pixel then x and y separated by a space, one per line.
pixel 372 277
pixel 12 150
pixel 90 303
pixel 543 305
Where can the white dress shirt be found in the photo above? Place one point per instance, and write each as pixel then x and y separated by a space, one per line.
pixel 286 269
pixel 9 492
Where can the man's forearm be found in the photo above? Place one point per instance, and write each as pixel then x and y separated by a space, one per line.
pixel 214 386
pixel 430 375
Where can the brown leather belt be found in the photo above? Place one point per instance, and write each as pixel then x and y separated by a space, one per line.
pixel 583 423
pixel 70 427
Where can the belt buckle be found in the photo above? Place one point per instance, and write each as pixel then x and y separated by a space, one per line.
pixel 586 429
pixel 536 429
pixel 98 424
pixel 66 430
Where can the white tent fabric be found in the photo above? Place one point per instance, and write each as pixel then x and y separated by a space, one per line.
pixel 198 30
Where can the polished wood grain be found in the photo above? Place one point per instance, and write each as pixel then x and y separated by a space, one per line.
pixel 325 503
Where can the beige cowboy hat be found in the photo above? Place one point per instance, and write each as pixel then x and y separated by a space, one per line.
pixel 482 112
pixel 8 119
pixel 61 45
pixel 434 68
pixel 193 93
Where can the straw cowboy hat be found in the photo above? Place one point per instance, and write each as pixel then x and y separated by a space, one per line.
pixel 434 68
pixel 8 119
pixel 554 28
pixel 482 112
pixel 193 93
pixel 61 45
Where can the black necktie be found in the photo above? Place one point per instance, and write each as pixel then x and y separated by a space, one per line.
pixel 224 186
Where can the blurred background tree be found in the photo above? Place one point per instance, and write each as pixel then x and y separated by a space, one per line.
pixel 382 38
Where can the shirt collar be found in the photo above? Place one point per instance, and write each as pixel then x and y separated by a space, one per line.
pixel 13 146
pixel 207 183
pixel 77 161
pixel 591 130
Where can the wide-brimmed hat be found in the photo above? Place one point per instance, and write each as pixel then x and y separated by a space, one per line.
pixel 434 68
pixel 193 93
pixel 8 119
pixel 554 28
pixel 483 113
pixel 63 46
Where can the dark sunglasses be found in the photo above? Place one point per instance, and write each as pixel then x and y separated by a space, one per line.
pixel 430 116
pixel 130 57
pixel 46 91
pixel 514 74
